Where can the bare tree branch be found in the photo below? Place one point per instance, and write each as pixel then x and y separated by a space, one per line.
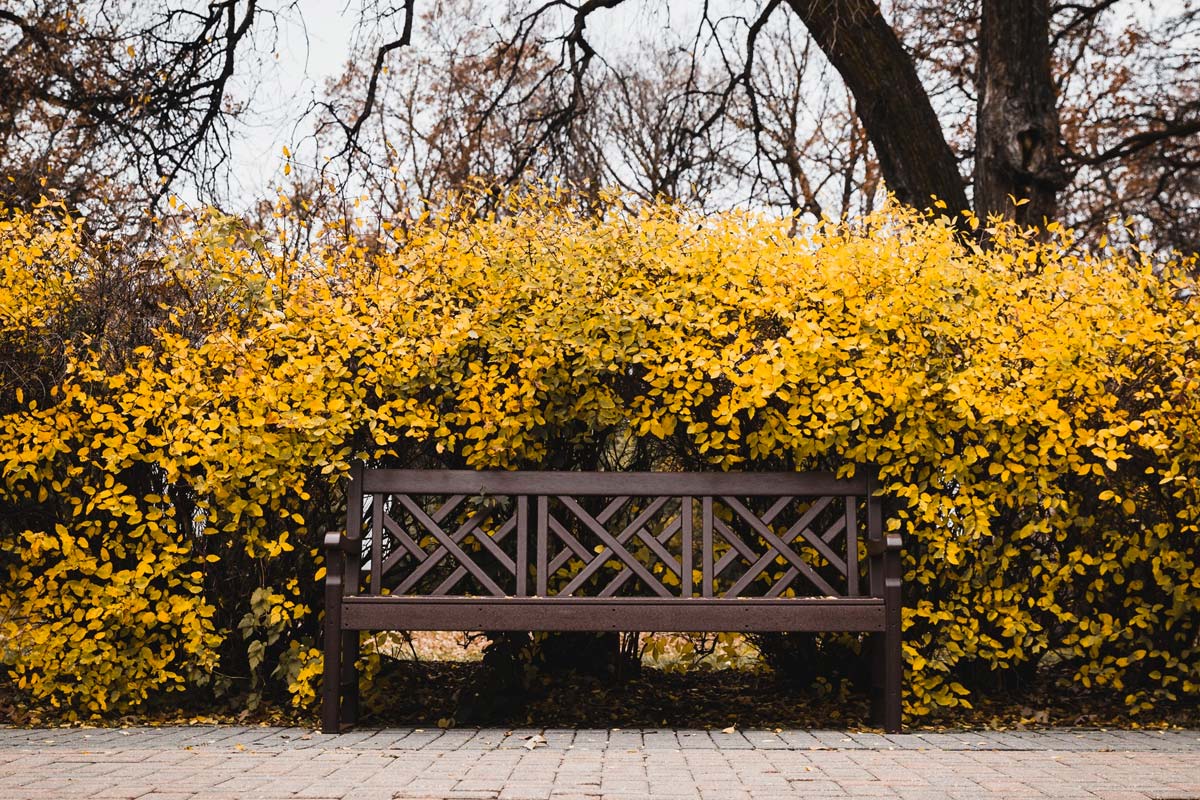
pixel 1084 15
pixel 1140 141
pixel 353 129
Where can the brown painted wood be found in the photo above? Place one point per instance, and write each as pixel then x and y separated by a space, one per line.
pixel 408 545
pixel 685 519
pixel 734 540
pixel 851 546
pixel 354 527
pixel 662 538
pixel 600 484
pixel 433 559
pixel 892 655
pixel 335 567
pixel 573 547
pixel 354 502
pixel 376 543
pixel 708 577
pixel 614 547
pixel 611 614
pixel 634 528
pixel 543 544
pixel 522 546
pixel 874 537
pixel 799 528
pixel 461 572
pixel 451 546
pixel 778 544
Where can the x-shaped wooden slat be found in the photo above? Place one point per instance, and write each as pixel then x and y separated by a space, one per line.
pixel 802 524
pixel 614 545
pixel 460 572
pixel 738 547
pixel 573 547
pixel 672 527
pixel 406 542
pixel 778 546
pixel 449 546
pixel 792 572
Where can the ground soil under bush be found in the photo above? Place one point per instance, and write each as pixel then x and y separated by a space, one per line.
pixel 432 693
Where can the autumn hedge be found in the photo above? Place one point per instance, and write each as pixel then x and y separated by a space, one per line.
pixel 1033 408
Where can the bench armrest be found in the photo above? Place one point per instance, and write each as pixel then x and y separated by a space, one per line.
pixel 341 561
pixel 890 544
pixel 336 540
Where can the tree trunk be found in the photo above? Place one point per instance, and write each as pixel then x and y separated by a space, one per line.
pixel 1017 138
pixel 914 158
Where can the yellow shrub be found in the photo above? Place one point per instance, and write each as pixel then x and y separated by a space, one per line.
pixel 1033 409
pixel 37 270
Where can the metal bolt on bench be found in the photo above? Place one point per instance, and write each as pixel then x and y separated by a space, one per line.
pixel 610 551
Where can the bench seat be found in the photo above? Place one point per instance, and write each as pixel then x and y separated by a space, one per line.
pixel 806 614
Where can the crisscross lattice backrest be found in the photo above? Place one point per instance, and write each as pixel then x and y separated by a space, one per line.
pixel 606 534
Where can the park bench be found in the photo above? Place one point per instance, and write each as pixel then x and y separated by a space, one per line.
pixel 610 551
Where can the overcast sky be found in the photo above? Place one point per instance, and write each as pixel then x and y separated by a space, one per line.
pixel 311 47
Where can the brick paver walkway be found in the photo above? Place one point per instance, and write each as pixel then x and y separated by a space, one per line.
pixel 239 763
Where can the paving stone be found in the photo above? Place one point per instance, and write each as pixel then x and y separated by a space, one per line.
pixel 693 740
pixel 206 763
pixel 734 740
pixel 660 739
pixel 837 740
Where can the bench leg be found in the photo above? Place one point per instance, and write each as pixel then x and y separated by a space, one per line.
pixel 331 695
pixel 339 701
pixel 887 674
pixel 890 689
pixel 877 656
pixel 349 676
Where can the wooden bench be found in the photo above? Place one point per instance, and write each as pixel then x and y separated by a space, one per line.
pixel 610 551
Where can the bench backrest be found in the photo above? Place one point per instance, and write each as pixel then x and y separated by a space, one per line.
pixel 447 533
